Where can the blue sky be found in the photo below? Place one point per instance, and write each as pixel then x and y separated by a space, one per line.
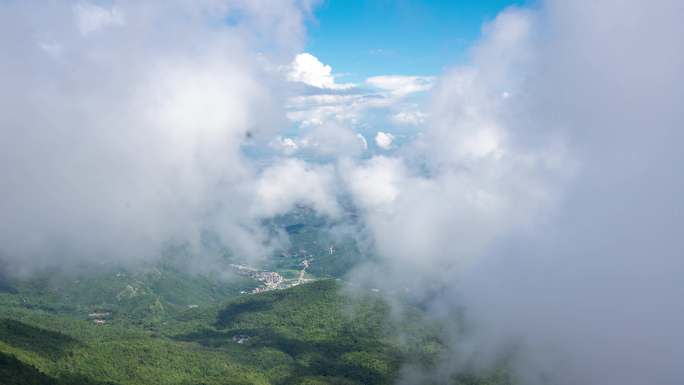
pixel 406 37
pixel 373 65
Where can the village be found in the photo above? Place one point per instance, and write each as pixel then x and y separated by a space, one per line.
pixel 271 280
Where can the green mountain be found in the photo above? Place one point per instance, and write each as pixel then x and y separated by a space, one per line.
pixel 314 333
pixel 165 323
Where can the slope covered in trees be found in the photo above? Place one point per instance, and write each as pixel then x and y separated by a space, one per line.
pixel 316 333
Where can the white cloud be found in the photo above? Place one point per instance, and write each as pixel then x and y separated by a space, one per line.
pixel 91 18
pixel 307 69
pixel 356 108
pixel 287 146
pixel 350 104
pixel 322 140
pixel 384 140
pixel 518 209
pixel 376 183
pixel 291 182
pixel 311 110
pixel 400 86
pixel 136 143
pixel 410 118
pixel 331 140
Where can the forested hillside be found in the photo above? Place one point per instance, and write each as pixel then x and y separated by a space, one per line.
pixel 316 333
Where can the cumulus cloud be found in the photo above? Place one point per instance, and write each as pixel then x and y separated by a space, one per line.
pixel 384 140
pixel 307 69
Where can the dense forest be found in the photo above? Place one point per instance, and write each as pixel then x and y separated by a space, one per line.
pixel 322 332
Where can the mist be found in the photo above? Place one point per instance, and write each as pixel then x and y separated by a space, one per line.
pixel 537 215
pixel 123 122
pixel 542 202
